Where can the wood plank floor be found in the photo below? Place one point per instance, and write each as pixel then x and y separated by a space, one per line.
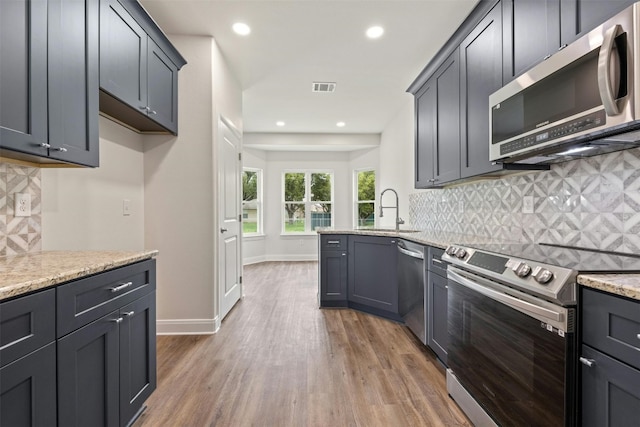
pixel 278 360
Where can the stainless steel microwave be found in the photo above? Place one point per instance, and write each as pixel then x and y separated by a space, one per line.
pixel 583 100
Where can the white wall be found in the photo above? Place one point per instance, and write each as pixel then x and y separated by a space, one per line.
pixel 397 162
pixel 82 207
pixel 180 190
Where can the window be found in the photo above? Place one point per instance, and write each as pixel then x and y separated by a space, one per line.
pixel 365 191
pixel 251 201
pixel 307 201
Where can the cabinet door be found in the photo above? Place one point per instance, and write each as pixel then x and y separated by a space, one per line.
pixel 480 76
pixel 28 390
pixel 162 88
pixel 447 142
pixel 73 81
pixel 333 277
pixel 88 375
pixel 425 134
pixel 437 315
pixel 531 33
pixel 581 16
pixel 137 355
pixel 123 55
pixel 610 391
pixel 23 76
pixel 372 273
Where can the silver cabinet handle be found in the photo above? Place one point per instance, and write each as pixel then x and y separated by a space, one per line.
pixel 118 320
pixel 345 254
pixel 587 362
pixel 129 314
pixel 437 261
pixel 333 242
pixel 638 336
pixel 121 287
pixel 61 149
pixel 152 111
pixel 45 145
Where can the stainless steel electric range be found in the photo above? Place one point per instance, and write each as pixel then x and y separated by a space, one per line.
pixel 512 350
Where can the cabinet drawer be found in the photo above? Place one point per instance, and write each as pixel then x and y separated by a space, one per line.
pixel 26 324
pixel 88 299
pixel 435 263
pixel 333 242
pixel 612 325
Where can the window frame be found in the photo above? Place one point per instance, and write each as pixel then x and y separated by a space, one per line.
pixel 357 202
pixel 259 203
pixel 306 201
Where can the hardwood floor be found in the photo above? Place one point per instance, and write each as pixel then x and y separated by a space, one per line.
pixel 278 360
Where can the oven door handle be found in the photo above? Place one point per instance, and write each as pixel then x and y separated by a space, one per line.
pixel 525 307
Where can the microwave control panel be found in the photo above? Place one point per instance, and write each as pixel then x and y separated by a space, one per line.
pixel 587 122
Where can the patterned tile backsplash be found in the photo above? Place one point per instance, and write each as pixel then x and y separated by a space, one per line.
pixel 592 202
pixel 19 234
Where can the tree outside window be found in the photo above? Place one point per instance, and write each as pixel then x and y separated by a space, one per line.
pixel 307 201
pixel 251 201
pixel 366 195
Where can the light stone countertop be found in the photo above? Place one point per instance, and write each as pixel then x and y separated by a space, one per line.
pixel 438 239
pixel 626 285
pixel 24 273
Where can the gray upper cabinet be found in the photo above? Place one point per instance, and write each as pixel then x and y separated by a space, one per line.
pixel 138 69
pixel 480 75
pixel 531 33
pixel 437 143
pixel 49 81
pixel 23 76
pixel 580 16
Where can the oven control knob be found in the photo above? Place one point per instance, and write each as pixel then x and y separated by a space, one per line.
pixel 542 275
pixel 451 250
pixel 461 253
pixel 521 269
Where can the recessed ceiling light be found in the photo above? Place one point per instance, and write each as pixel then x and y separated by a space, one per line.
pixel 241 28
pixel 341 124
pixel 280 123
pixel 375 32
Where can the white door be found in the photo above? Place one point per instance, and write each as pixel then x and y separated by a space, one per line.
pixel 230 208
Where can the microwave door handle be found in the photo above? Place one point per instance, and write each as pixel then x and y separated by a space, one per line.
pixel 604 72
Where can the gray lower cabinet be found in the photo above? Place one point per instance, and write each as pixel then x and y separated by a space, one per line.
pixel 138 69
pixel 107 369
pixel 372 276
pixel 610 360
pixel 49 81
pixel 82 354
pixel 28 360
pixel 333 270
pixel 437 292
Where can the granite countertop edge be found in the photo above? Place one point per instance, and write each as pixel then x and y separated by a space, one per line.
pixel 26 273
pixel 626 285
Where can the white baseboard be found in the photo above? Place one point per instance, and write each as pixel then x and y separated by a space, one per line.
pixel 254 260
pixel 187 326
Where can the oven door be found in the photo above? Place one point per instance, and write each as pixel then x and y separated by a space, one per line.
pixel 519 368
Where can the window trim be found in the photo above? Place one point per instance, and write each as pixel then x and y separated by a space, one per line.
pixel 306 200
pixel 259 203
pixel 356 202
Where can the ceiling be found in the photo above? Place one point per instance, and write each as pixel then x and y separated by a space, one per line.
pixel 295 43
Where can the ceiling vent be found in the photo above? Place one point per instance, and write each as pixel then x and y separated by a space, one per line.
pixel 323 87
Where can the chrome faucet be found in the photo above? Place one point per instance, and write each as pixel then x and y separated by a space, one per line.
pixel 396 207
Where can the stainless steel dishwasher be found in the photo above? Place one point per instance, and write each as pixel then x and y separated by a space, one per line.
pixel 411 294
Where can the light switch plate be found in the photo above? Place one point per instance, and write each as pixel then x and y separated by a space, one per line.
pixel 21 204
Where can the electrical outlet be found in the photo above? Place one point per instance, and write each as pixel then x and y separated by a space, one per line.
pixel 527 204
pixel 126 207
pixel 21 204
